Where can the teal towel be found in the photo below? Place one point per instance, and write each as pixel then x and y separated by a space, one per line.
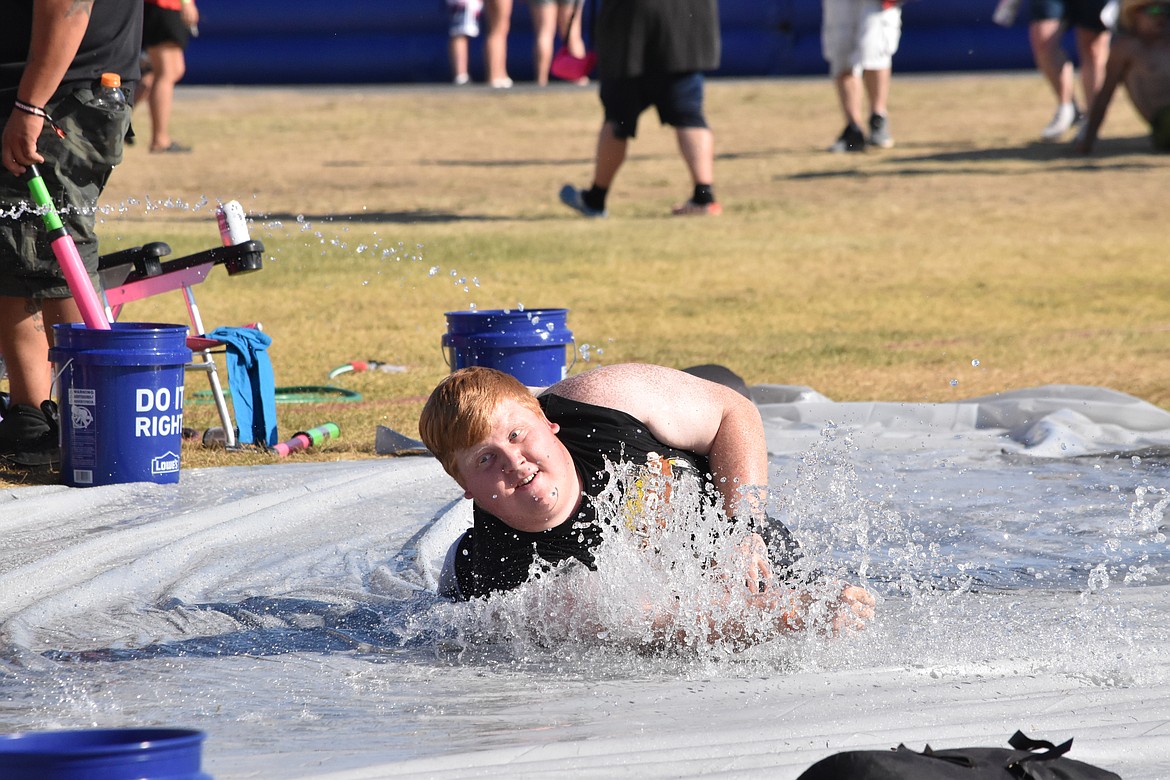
pixel 252 383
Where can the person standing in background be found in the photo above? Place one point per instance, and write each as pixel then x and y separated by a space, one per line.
pixel 653 53
pixel 550 18
pixel 52 56
pixel 462 25
pixel 859 39
pixel 167 27
pixel 1050 19
pixel 1139 58
pixel 495 45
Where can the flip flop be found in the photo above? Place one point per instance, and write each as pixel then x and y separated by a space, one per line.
pixel 175 148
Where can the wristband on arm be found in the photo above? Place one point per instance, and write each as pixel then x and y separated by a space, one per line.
pixel 29 108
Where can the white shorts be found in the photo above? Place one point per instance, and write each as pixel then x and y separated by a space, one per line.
pixel 463 17
pixel 858 35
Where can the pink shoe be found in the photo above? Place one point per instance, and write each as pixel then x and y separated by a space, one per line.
pixel 692 209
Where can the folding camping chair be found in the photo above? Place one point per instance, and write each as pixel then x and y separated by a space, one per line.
pixel 139 272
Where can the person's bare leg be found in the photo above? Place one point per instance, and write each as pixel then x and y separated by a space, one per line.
pixel 457 51
pixel 1044 36
pixel 168 65
pixel 25 338
pixel 697 145
pixel 1093 48
pixel 144 88
pixel 571 35
pixel 544 33
pixel 495 45
pixel 877 88
pixel 611 153
pixel 849 94
pixel 1051 61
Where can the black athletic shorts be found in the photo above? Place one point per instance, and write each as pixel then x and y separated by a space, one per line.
pixel 678 98
pixel 160 25
pixel 1085 14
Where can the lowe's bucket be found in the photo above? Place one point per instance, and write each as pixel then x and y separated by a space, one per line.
pixel 529 344
pixel 120 392
pixel 103 754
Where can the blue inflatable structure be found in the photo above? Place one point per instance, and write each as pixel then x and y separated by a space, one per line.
pixel 405 41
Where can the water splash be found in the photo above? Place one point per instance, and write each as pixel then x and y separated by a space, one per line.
pixel 949 595
pixel 671 580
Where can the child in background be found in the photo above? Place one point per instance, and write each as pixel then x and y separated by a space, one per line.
pixel 463 24
pixel 1140 58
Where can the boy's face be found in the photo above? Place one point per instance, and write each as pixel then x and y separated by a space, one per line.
pixel 521 472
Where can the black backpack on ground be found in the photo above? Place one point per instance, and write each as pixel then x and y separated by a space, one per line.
pixel 1024 762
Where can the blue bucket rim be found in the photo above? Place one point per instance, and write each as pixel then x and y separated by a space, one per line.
pixel 98 742
pixel 504 312
pixel 500 319
pixel 125 344
pixel 558 338
pixel 122 326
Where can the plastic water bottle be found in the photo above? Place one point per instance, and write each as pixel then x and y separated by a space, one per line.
pixel 110 93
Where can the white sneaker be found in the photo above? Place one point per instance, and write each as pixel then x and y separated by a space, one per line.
pixel 1062 121
pixel 504 83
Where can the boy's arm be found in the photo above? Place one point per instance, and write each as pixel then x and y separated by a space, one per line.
pixel 692 414
pixel 1120 59
pixel 710 419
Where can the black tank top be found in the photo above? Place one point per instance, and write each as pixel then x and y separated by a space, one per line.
pixel 494 557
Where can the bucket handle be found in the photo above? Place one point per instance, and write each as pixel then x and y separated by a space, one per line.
pixel 54 387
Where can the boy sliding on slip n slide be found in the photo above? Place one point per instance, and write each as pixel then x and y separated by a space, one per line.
pixel 535 467
pixel 1140 58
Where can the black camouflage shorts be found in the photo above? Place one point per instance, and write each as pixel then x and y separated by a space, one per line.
pixel 75 171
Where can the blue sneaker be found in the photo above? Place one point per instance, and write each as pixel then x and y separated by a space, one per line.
pixel 571 197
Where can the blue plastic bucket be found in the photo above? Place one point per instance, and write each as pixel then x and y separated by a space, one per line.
pixel 529 344
pixel 103 754
pixel 120 392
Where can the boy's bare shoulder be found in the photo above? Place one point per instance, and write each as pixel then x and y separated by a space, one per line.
pixel 603 385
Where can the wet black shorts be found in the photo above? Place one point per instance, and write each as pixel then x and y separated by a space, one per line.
pixel 678 98
pixel 75 171
pixel 161 25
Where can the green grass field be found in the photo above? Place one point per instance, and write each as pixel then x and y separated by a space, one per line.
pixel 967 260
